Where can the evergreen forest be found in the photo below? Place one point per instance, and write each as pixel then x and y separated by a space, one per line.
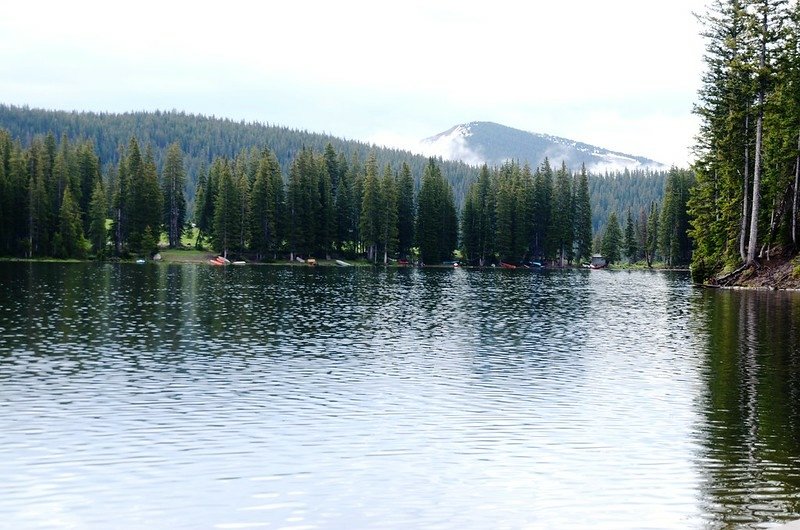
pixel 56 200
pixel 202 139
pixel 744 206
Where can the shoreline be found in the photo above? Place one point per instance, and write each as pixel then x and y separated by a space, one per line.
pixel 780 273
pixel 192 256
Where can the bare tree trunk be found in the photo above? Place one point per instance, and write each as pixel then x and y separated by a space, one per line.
pixel 775 220
pixel 751 249
pixel 745 195
pixel 794 201
pixel 119 231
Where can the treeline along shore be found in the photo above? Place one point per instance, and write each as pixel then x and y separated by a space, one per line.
pixel 56 201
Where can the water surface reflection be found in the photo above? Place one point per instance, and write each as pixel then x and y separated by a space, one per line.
pixel 199 397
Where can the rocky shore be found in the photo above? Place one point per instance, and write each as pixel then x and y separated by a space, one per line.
pixel 781 271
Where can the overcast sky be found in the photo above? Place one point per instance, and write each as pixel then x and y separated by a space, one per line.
pixel 618 74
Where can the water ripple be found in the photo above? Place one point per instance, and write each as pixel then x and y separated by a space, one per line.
pixel 191 396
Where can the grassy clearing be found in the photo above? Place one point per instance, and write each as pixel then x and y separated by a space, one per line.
pixel 185 256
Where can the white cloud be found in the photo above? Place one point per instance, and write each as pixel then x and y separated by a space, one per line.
pixel 442 63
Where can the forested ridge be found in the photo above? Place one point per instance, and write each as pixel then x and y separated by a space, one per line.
pixel 203 138
pixel 744 207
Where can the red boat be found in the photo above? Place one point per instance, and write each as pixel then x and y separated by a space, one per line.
pixel 507 265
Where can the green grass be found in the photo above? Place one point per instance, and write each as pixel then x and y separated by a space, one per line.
pixel 188 238
pixel 175 255
pixel 642 266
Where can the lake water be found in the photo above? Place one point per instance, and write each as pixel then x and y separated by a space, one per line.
pixel 155 396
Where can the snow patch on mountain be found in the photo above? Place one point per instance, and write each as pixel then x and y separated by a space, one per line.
pixel 453 145
pixel 476 143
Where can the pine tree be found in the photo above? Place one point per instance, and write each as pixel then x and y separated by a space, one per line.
pixel 38 204
pixel 326 215
pixel 405 211
pixel 370 220
pixel 642 236
pixel 120 206
pixel 389 198
pixel 241 216
pixel 674 223
pixel 139 200
pixel 652 234
pixel 344 207
pixel 226 207
pixel 583 218
pixel 98 211
pixel 513 203
pixel 204 205
pixel 479 218
pixel 630 242
pixel 266 198
pixel 357 193
pixel 6 192
pixel 542 242
pixel 303 204
pixel 88 171
pixel 562 216
pixel 14 196
pixel 173 183
pixel 437 223
pixel 69 241
pixel 612 239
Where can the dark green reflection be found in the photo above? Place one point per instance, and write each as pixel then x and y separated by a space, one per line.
pixel 751 434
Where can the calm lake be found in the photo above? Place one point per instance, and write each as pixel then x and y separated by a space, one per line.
pixel 156 396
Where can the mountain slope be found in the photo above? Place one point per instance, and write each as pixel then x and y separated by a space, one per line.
pixel 202 138
pixel 486 142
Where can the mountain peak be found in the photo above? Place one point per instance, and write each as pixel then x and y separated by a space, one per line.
pixel 480 142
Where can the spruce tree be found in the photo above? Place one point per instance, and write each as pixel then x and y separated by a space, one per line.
pixel 38 204
pixel 172 185
pixel 542 242
pixel 266 197
pixel 370 220
pixel 226 208
pixel 69 241
pixel 641 229
pixel 652 234
pixel 405 211
pixel 437 223
pixel 389 204
pixel 612 239
pixel 241 216
pixel 630 243
pixel 326 214
pixel 583 217
pixel 479 219
pixel 88 171
pixel 562 216
pixel 344 207
pixel 98 211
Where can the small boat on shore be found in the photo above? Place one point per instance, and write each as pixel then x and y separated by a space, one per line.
pixel 507 265
pixel 341 263
pixel 219 261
